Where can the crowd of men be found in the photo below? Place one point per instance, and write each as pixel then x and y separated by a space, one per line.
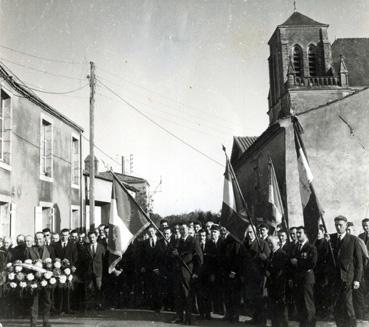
pixel 189 268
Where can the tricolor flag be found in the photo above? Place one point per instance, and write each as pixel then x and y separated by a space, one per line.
pixel 274 197
pixel 127 220
pixel 313 214
pixel 233 216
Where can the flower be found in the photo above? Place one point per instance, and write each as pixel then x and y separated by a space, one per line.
pixel 56 272
pixel 28 261
pixel 52 281
pixel 20 276
pixel 18 268
pixel 67 271
pixel 65 262
pixel 70 278
pixel 34 285
pixel 62 279
pixel 43 283
pixel 9 264
pixel 30 277
pixel 13 285
pixel 73 269
pixel 49 265
pixel 38 274
pixel 48 260
pixel 17 262
pixel 57 264
pixel 38 263
pixel 11 276
pixel 48 274
pixel 22 284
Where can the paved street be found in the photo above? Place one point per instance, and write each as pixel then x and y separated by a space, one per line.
pixel 134 318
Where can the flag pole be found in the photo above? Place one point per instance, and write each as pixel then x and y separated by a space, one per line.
pixel 149 219
pixel 242 197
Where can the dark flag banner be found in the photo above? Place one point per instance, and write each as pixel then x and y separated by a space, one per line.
pixel 313 214
pixel 127 220
pixel 233 216
pixel 274 197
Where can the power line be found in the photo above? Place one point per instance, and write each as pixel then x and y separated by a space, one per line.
pixel 65 92
pixel 161 127
pixel 42 58
pixel 41 71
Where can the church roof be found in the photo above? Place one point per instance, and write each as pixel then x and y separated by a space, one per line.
pixel 355 53
pixel 240 145
pixel 298 19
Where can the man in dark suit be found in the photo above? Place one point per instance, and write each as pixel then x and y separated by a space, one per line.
pixel 40 296
pixel 94 273
pixel 64 249
pixel 187 270
pixel 166 269
pixel 232 256
pixel 19 251
pixel 349 271
pixel 150 267
pixel 254 263
pixel 276 283
pixel 365 237
pixel 303 261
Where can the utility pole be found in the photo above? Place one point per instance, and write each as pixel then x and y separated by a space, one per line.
pixel 92 142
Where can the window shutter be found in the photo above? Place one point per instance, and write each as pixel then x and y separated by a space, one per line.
pixel 38 219
pixel 52 219
pixel 7 130
pixel 13 214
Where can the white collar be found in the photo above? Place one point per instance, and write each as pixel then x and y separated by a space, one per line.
pixel 341 236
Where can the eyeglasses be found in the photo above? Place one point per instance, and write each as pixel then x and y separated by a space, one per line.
pixel 47 235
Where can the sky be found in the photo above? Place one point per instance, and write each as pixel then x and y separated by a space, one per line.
pixel 197 68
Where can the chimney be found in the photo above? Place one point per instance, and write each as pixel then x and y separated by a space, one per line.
pixel 123 166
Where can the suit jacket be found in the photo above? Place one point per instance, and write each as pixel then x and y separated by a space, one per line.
pixel 166 258
pixel 95 262
pixel 348 256
pixel 17 253
pixel 277 267
pixel 190 253
pixel 255 259
pixel 70 252
pixel 150 255
pixel 364 237
pixel 306 261
pixel 232 254
pixel 33 254
pixel 212 256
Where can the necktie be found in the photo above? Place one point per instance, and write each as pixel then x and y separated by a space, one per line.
pixel 299 247
pixel 93 249
pixel 40 252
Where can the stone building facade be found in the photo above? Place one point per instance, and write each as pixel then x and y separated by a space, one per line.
pixel 326 86
pixel 40 163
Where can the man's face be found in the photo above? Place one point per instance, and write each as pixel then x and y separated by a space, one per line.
pixel 167 234
pixel 39 239
pixel 64 236
pixel 273 244
pixel 7 242
pixel 101 231
pixel 106 231
pixel 163 225
pixel 183 229
pixel 152 232
pixel 366 226
pixel 29 241
pixel 92 238
pixel 203 237
pixel 55 238
pixel 300 234
pixel 223 232
pixel 293 234
pixel 341 226
pixel 74 236
pixel 250 234
pixel 320 234
pixel 176 229
pixel 350 230
pixel 81 238
pixel 208 226
pixel 215 235
pixel 263 232
pixel 191 231
pixel 47 236
pixel 282 237
pixel 197 227
pixel 20 239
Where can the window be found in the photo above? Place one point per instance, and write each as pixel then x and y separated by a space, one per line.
pixel 75 161
pixel 46 148
pixel 75 218
pixel 5 128
pixel 312 60
pixel 297 61
pixel 5 219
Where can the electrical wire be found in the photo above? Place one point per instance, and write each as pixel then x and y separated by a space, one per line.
pixel 42 58
pixel 65 92
pixel 159 126
pixel 41 71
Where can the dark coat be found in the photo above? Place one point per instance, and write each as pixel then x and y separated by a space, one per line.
pixel 365 238
pixel 212 256
pixel 150 258
pixel 232 253
pixel 348 256
pixel 190 253
pixel 306 261
pixel 255 259
pixel 95 261
pixel 17 253
pixel 69 252
pixel 167 260
pixel 33 253
pixel 277 267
